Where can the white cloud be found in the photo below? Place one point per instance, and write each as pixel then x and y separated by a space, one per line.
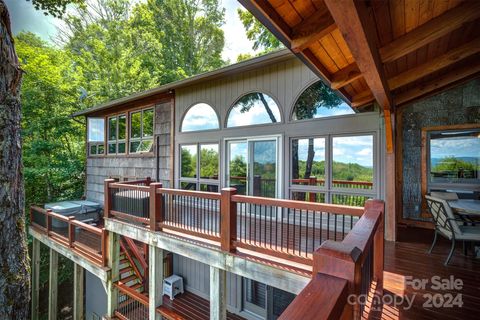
pixel 236 41
pixel 364 152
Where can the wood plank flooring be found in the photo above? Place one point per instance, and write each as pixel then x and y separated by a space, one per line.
pixel 408 257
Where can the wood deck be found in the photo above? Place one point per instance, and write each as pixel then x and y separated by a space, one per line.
pixel 190 306
pixel 408 257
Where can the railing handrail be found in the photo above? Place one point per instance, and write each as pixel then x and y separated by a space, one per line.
pixel 190 193
pixel 301 205
pixel 123 186
pixel 343 260
pixel 131 293
pixel 71 223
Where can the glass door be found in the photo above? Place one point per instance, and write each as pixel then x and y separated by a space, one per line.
pixel 252 166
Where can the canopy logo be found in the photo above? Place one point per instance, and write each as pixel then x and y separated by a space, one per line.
pixel 446 294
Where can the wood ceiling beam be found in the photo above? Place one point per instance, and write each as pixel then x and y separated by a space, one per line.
pixel 312 29
pixel 269 17
pixel 430 31
pixel 352 19
pixel 435 64
pixel 441 82
pixel 355 22
pixel 345 76
pixel 362 98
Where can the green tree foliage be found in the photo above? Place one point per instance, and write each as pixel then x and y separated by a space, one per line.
pixel 189 31
pixel 113 56
pixel 258 33
pixel 453 167
pixel 52 142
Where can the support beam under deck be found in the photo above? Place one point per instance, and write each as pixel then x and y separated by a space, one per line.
pixel 155 281
pixel 53 285
pixel 35 277
pixel 113 263
pixel 78 292
pixel 218 294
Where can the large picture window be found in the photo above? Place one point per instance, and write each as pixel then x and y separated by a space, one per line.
pixel 453 158
pixel 117 134
pixel 141 131
pixel 96 136
pixel 319 101
pixel 333 169
pixel 200 117
pixel 199 168
pixel 253 108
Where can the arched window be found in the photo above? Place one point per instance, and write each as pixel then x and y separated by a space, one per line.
pixel 253 108
pixel 319 101
pixel 200 117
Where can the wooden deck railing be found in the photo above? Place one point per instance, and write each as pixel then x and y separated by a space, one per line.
pixel 131 305
pixel 353 266
pixel 86 240
pixel 286 229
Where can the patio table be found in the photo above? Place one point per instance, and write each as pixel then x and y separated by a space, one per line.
pixel 466 207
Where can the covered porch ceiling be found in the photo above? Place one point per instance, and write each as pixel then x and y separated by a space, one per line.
pixel 392 51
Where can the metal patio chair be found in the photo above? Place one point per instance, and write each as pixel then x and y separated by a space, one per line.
pixel 447 225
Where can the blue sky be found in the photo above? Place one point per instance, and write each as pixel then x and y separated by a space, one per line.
pixel 455 146
pixel 25 18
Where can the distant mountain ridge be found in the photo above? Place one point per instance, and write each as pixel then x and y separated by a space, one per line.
pixel 472 160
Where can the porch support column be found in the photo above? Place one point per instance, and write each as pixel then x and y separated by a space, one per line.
pixel 155 281
pixel 78 292
pixel 113 263
pixel 53 285
pixel 35 277
pixel 218 294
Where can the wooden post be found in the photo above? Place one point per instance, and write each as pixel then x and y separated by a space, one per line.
pixel 155 281
pixel 113 263
pixel 342 261
pixel 156 206
pixel 107 205
pixel 104 247
pixel 313 182
pixel 35 277
pixel 78 292
pixel 48 221
pixel 228 226
pixel 53 285
pixel 378 242
pixel 71 231
pixel 218 294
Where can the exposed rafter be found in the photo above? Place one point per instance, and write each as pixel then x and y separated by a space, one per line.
pixel 442 61
pixel 312 29
pixel 439 83
pixel 345 76
pixel 362 98
pixel 430 31
pixel 352 18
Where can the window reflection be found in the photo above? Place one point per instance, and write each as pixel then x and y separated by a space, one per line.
pixel 200 117
pixel 308 161
pixel 352 165
pixel 209 161
pixel 253 108
pixel 189 161
pixel 455 156
pixel 318 101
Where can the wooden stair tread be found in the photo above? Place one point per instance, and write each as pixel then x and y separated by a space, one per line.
pixel 136 286
pixel 126 269
pixel 129 278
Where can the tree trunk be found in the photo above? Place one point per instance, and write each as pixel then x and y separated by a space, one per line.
pixel 14 262
pixel 310 157
pixel 267 108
